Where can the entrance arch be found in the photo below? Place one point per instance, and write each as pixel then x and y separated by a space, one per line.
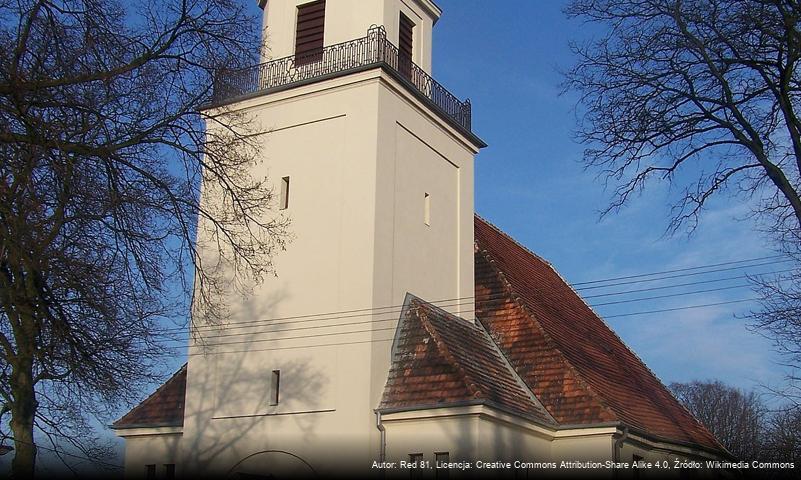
pixel 270 464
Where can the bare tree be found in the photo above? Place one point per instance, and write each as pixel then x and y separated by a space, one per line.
pixel 707 86
pixel 704 95
pixel 102 152
pixel 779 319
pixel 783 437
pixel 735 417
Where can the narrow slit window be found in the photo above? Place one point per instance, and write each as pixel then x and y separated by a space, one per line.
pixel 274 387
pixel 427 209
pixel 284 193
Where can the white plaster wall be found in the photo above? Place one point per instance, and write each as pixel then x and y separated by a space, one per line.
pixel 470 435
pixel 591 446
pixel 417 154
pixel 510 441
pixel 142 450
pixel 457 435
pixel 583 447
pixel 349 19
pixel 324 138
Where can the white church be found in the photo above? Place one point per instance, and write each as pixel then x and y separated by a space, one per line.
pixel 401 328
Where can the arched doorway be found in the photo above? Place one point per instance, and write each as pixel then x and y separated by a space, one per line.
pixel 271 465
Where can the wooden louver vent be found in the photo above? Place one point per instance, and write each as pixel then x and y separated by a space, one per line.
pixel 405 29
pixel 309 33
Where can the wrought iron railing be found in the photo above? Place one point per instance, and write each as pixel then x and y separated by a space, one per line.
pixel 374 50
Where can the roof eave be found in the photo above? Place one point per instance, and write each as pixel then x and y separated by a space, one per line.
pixel 132 426
pixel 469 403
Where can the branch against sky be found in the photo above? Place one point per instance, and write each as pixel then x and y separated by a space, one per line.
pixel 102 151
pixel 704 94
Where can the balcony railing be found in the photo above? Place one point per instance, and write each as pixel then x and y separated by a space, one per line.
pixel 374 50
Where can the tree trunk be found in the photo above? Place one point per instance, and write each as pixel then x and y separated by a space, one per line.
pixel 23 411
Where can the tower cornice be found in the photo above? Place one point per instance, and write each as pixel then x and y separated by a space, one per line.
pixel 347 58
pixel 431 8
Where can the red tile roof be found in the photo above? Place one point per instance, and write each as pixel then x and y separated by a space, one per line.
pixel 440 359
pixel 164 408
pixel 574 363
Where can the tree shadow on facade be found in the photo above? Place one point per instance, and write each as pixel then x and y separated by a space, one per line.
pixel 244 389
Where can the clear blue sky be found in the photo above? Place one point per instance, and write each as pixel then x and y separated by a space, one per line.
pixel 530 182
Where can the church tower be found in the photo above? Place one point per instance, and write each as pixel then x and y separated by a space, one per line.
pixel 372 160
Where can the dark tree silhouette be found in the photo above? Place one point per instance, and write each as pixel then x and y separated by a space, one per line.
pixel 783 437
pixel 735 417
pixel 103 147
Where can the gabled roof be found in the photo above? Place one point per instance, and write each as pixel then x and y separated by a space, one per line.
pixel 439 359
pixel 579 369
pixel 164 408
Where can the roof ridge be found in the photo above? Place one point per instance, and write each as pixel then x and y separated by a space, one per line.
pixel 512 239
pixel 452 316
pixel 521 305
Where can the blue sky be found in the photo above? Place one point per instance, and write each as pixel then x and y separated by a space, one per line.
pixel 530 183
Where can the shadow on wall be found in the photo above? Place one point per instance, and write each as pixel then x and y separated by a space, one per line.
pixel 231 420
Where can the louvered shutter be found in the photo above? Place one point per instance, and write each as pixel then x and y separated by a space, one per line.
pixel 309 32
pixel 405 45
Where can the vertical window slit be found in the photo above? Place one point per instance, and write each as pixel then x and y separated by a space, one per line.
pixel 284 193
pixel 427 209
pixel 274 387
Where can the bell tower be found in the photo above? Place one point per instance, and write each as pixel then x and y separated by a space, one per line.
pixel 345 20
pixel 373 162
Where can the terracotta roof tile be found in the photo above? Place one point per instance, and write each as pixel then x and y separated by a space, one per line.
pixel 165 407
pixel 580 370
pixel 439 359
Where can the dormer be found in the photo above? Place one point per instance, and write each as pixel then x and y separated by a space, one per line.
pixel 302 27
